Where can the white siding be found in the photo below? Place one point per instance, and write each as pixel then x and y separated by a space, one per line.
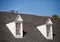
pixel 42 29
pixel 11 26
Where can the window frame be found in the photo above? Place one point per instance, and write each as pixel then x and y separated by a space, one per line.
pixel 19 27
pixel 48 30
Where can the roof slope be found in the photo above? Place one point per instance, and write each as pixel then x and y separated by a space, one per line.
pixel 31 33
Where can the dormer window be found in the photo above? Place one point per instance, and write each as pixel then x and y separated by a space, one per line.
pixel 49 29
pixel 19 27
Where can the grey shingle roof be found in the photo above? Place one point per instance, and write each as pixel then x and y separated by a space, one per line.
pixel 31 33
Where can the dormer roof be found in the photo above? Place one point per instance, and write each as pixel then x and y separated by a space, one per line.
pixel 49 21
pixel 18 18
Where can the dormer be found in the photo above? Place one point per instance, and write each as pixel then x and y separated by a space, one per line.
pixel 16 27
pixel 19 26
pixel 46 29
pixel 49 29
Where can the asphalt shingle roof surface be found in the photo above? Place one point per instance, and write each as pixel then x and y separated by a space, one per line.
pixel 31 33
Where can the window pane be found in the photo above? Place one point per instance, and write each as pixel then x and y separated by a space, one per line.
pixel 17 31
pixel 48 30
pixel 17 25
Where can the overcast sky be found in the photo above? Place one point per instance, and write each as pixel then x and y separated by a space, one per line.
pixel 35 7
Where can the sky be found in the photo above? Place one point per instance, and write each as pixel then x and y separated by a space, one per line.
pixel 34 7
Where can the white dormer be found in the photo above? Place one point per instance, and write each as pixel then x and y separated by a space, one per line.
pixel 16 27
pixel 19 26
pixel 46 29
pixel 49 29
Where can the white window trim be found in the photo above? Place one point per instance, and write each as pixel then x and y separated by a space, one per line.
pixel 49 22
pixel 21 35
pixel 50 37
